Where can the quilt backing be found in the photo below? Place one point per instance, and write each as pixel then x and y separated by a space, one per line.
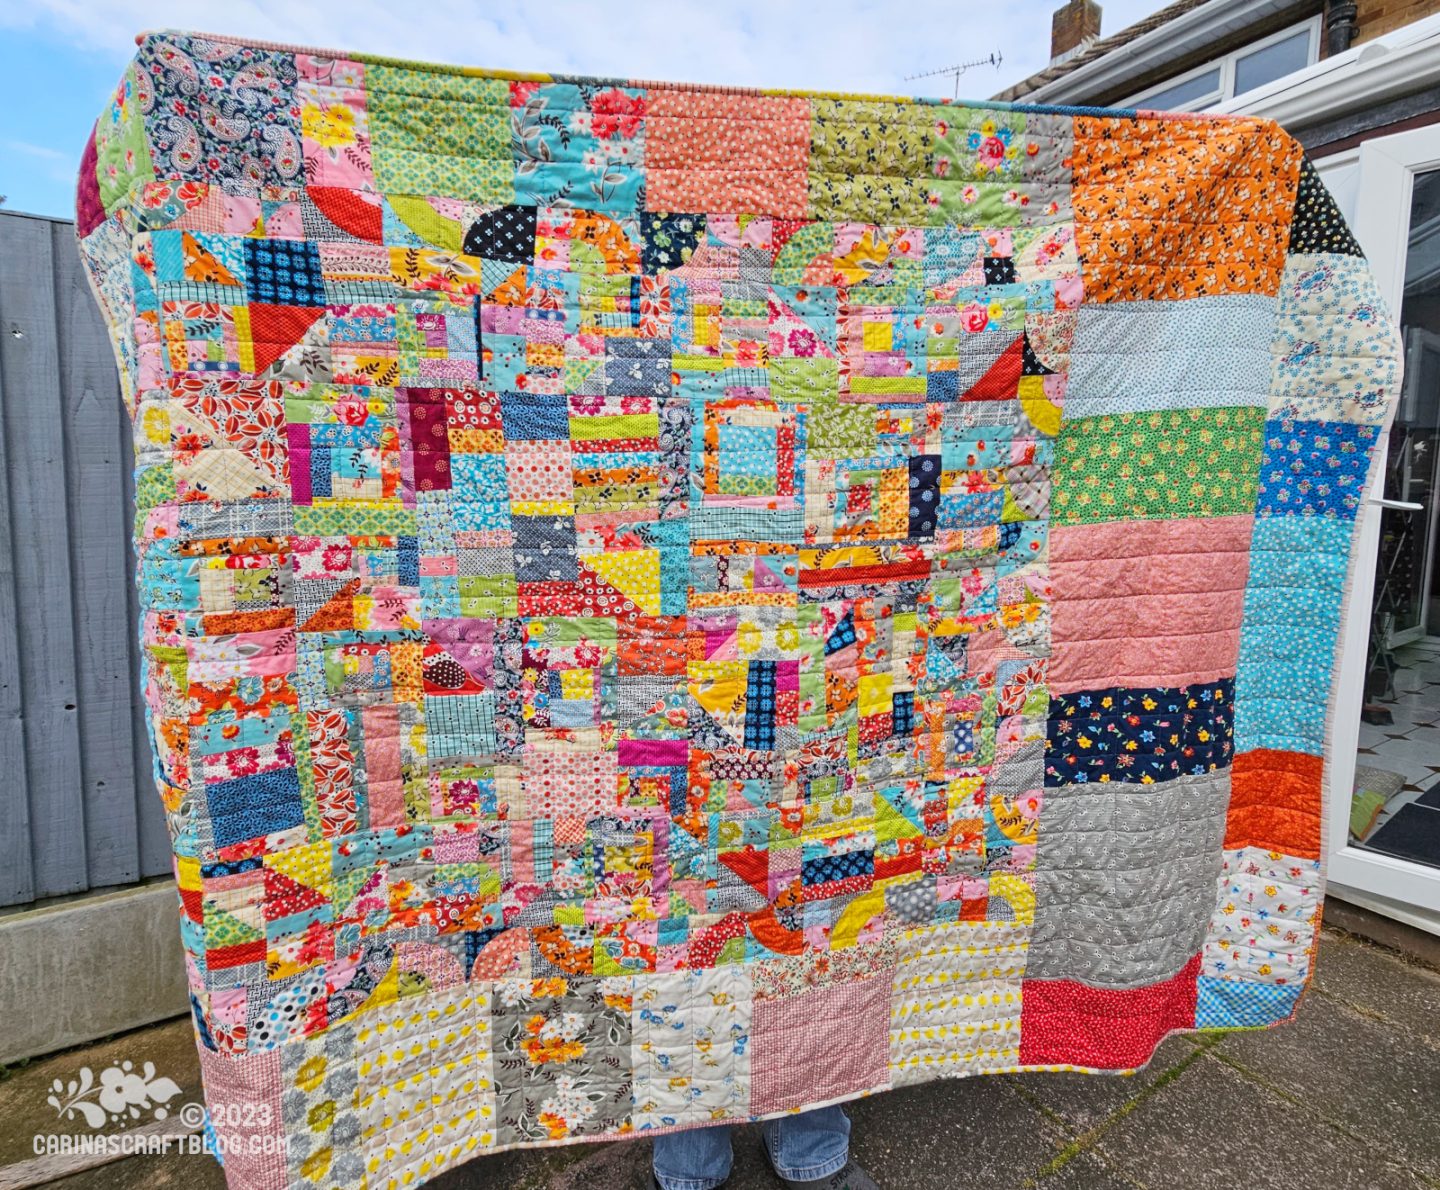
pixel 664 604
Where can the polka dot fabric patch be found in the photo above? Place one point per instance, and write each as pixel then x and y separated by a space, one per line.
pixel 639 582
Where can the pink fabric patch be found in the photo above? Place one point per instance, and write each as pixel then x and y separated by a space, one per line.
pixel 382 765
pixel 1066 1022
pixel 89 210
pixel 298 436
pixel 441 968
pixel 653 752
pixel 501 957
pixel 336 122
pixel 1154 603
pixel 243 1095
pixel 822 1044
pixel 706 151
pixel 569 784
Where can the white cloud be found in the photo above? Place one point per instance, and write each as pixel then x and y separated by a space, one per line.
pixel 849 45
pixel 41 151
pixel 50 165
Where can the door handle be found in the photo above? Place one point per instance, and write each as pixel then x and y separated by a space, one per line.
pixel 1397 505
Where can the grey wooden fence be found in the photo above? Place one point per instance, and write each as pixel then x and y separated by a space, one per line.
pixel 78 808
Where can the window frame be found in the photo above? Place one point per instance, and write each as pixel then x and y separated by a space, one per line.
pixel 1226 63
pixel 1385 169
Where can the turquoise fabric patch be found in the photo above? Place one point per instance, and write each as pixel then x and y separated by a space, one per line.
pixel 1292 614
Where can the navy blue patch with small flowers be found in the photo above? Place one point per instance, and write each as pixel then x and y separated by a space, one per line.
pixel 1139 735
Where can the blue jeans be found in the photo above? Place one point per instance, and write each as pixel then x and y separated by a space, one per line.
pixel 804 1147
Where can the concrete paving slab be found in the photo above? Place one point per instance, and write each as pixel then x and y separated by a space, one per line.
pixel 1368 1076
pixel 970 1132
pixel 1216 1130
pixel 26 1089
pixel 1085 1171
pixel 1380 984
pixel 1083 1101
pixel 619 1164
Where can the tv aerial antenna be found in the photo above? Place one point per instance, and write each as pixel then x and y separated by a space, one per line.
pixel 958 69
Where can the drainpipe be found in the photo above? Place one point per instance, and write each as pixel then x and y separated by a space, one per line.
pixel 1339 26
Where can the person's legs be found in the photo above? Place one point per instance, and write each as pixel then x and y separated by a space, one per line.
pixel 810 1145
pixel 808 1149
pixel 696 1159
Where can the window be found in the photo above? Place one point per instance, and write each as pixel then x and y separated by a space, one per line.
pixel 1192 93
pixel 1256 67
pixel 1243 70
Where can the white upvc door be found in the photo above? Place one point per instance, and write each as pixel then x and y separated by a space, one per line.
pixel 1374 186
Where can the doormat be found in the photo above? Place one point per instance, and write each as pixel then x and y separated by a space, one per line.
pixel 664 604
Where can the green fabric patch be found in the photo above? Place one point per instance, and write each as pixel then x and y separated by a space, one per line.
pixel 433 133
pixel 1158 466
pixel 862 160
pixel 122 154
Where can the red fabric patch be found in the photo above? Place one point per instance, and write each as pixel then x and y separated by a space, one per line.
pixel 751 865
pixel 1064 1022
pixel 1002 381
pixel 349 212
pixel 192 901
pixel 225 957
pixel 276 329
pixel 1275 802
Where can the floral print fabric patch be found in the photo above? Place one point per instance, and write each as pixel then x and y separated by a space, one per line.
pixel 664 604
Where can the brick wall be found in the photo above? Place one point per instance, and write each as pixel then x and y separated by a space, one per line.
pixel 1375 17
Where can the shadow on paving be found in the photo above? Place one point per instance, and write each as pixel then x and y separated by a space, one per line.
pixel 1343 1099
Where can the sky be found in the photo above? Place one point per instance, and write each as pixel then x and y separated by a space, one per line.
pixel 60 59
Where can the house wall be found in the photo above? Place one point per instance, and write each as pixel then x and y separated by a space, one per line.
pixel 1376 17
pixel 1373 18
pixel 1283 19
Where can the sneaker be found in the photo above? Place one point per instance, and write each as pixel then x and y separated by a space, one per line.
pixel 849 1177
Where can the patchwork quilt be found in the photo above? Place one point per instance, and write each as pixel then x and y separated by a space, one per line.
pixel 666 604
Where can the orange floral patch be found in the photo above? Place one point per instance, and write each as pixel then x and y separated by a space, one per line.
pixel 1171 207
